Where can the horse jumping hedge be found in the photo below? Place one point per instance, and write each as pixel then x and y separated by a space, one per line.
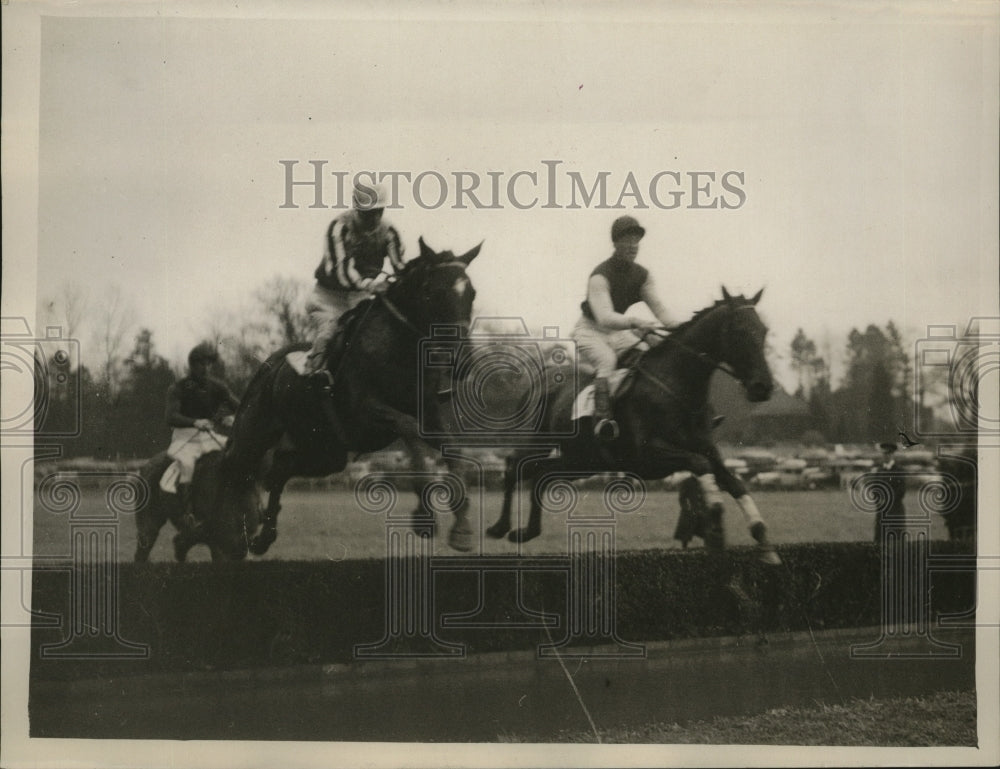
pixel 190 617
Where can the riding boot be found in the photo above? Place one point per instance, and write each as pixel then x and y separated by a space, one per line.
pixel 605 427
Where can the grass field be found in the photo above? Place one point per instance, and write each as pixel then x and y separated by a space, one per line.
pixel 329 525
pixel 940 719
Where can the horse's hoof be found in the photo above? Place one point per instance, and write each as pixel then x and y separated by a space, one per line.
pixel 523 535
pixel 497 531
pixel 715 541
pixel 769 557
pixel 765 550
pixel 260 543
pixel 461 538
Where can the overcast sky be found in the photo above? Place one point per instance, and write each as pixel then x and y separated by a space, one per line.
pixel 866 143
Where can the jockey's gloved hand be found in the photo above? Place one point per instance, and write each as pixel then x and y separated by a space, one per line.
pixel 227 421
pixel 642 325
pixel 379 288
pixel 203 424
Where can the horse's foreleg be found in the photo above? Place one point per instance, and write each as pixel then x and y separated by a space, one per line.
pixel 460 536
pixel 755 522
pixel 277 477
pixel 450 493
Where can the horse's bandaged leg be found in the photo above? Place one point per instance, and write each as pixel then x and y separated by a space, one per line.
pixel 711 489
pixel 749 508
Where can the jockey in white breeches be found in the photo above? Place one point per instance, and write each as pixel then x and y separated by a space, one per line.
pixel 604 330
pixel 192 405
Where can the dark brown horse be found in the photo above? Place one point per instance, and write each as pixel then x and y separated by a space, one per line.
pixel 286 428
pixel 664 416
pixel 226 505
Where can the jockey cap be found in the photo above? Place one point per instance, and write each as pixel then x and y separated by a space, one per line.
pixel 204 352
pixel 624 225
pixel 369 195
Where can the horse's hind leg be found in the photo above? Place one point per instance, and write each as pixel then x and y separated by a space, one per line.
pixel 535 473
pixel 503 525
pixel 758 530
pixel 148 522
pixel 534 527
pixel 461 536
pixel 277 476
pixel 183 542
pixel 262 541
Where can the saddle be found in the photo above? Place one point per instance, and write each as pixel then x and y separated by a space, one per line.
pixel 165 471
pixel 337 346
pixel 619 383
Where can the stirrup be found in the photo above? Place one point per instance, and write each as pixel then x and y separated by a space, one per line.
pixel 606 430
pixel 322 380
pixel 193 525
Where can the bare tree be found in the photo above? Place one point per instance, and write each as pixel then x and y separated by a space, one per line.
pixel 282 300
pixel 66 309
pixel 243 344
pixel 115 320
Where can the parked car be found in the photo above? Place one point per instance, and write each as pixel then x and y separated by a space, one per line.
pixel 757 461
pixel 849 468
pixel 737 467
pixel 819 477
pixel 787 475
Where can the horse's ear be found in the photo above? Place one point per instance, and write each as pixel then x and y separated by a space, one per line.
pixel 471 254
pixel 725 295
pixel 425 251
pixel 756 297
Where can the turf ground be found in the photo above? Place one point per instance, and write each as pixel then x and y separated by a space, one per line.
pixel 329 525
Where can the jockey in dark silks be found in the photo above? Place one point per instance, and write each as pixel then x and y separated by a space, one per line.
pixel 362 250
pixel 193 404
pixel 605 331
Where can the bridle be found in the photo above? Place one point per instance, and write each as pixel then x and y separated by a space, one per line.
pixel 398 314
pixel 703 357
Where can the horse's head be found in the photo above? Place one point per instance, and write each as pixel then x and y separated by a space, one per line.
pixel 435 289
pixel 742 345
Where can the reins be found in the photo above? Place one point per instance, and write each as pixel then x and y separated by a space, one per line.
pixel 703 357
pixel 394 312
pixel 398 314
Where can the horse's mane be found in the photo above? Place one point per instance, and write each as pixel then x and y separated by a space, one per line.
pixel 682 327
